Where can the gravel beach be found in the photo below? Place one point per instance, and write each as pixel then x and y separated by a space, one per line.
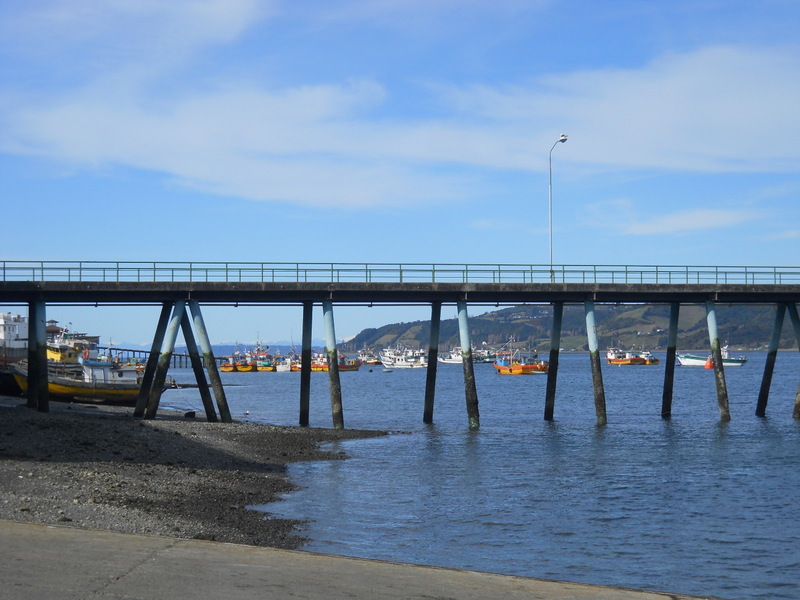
pixel 99 467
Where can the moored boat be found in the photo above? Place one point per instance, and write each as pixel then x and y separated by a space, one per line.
pixel 619 357
pixel 513 363
pixel 404 358
pixel 453 357
pixel 696 360
pixel 368 358
pixel 319 362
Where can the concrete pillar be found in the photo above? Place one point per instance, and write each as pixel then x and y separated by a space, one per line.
pixel 337 413
pixel 433 362
pixel 669 371
pixel 552 371
pixel 470 390
pixel 305 364
pixel 152 361
pixel 792 308
pixel 594 358
pixel 38 392
pixel 211 363
pixel 197 368
pixel 716 357
pixel 167 348
pixel 769 365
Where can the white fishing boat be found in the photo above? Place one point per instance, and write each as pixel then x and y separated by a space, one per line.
pixel 403 358
pixel 695 360
pixel 453 357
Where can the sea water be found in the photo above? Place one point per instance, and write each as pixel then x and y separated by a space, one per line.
pixel 687 505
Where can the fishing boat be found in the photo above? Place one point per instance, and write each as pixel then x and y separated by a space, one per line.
pixel 619 357
pixel 283 364
pixel 88 380
pixel 514 363
pixel 453 357
pixel 319 362
pixel 403 358
pixel 696 360
pixel 368 358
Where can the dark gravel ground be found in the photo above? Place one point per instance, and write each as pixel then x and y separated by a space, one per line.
pixel 99 467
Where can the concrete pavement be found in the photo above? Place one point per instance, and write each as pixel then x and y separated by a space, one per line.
pixel 42 561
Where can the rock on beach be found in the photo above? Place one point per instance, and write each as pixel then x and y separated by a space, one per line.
pixel 99 467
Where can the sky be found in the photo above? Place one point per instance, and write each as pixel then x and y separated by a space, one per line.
pixel 397 131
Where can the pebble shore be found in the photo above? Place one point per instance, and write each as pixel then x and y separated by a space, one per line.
pixel 99 467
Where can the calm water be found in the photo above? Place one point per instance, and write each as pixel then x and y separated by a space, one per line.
pixel 689 505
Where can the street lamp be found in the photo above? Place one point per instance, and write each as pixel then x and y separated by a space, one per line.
pixel 562 139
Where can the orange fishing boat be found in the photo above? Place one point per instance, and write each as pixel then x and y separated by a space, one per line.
pixel 509 363
pixel 617 356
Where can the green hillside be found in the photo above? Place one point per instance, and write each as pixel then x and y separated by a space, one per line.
pixel 641 325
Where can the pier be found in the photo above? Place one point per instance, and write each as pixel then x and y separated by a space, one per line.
pixel 181 289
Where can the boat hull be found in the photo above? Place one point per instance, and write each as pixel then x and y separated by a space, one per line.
pixel 692 360
pixel 63 388
pixel 515 368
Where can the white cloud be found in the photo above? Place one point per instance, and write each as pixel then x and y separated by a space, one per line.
pixel 716 109
pixel 686 221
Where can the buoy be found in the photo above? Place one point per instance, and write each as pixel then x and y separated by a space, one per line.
pixel 709 363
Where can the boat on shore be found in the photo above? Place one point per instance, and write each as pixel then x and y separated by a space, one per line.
pixel 619 357
pixel 696 360
pixel 87 380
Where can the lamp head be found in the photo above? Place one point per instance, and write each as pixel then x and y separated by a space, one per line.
pixel 563 138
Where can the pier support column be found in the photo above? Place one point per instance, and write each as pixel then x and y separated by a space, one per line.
pixel 552 370
pixel 305 364
pixel 333 365
pixel 164 359
pixel 594 358
pixel 433 362
pixel 669 370
pixel 792 308
pixel 152 361
pixel 38 392
pixel 769 365
pixel 197 368
pixel 470 390
pixel 211 363
pixel 716 358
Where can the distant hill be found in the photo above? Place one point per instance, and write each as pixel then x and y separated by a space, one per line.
pixel 645 325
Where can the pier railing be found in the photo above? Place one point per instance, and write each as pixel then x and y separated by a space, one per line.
pixel 234 272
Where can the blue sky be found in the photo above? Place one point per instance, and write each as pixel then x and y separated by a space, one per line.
pixel 395 131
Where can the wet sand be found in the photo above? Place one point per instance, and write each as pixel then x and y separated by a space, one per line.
pixel 99 467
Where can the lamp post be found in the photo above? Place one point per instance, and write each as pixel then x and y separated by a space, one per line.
pixel 562 139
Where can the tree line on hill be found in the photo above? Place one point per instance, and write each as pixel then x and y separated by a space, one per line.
pixel 743 327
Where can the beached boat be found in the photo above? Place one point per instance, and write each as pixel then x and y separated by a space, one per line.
pixel 403 358
pixel 696 360
pixel 89 380
pixel 514 363
pixel 619 357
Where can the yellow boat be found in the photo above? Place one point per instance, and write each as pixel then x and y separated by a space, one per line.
pixel 95 383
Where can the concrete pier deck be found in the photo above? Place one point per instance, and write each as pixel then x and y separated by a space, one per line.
pixel 43 561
